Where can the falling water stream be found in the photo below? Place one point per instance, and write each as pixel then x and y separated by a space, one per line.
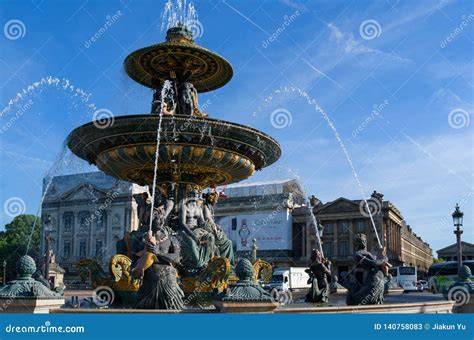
pixel 165 92
pixel 62 84
pixel 317 107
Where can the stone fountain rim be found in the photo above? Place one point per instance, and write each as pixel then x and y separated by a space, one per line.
pixel 179 117
pixel 87 141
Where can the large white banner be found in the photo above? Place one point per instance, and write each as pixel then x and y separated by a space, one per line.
pixel 273 230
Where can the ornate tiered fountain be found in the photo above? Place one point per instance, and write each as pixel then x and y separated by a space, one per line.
pixel 180 151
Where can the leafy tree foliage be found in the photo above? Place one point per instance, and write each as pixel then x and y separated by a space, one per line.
pixel 14 241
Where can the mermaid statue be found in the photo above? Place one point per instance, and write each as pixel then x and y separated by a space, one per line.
pixel 370 290
pixel 319 271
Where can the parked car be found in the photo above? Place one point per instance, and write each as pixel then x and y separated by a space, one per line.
pixel 421 285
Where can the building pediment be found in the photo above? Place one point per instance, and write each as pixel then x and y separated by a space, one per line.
pixel 341 204
pixel 466 247
pixel 84 192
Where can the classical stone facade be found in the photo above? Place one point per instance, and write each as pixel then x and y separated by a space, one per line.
pixel 264 212
pixel 89 213
pixel 342 218
pixel 450 253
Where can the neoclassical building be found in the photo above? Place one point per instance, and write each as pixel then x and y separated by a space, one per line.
pixel 89 213
pixel 342 218
pixel 450 253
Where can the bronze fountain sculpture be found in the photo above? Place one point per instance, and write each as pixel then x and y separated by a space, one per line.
pixel 177 234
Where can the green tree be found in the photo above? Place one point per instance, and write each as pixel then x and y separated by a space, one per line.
pixel 14 241
pixel 435 260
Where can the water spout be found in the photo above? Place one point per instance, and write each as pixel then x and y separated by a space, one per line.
pixel 317 107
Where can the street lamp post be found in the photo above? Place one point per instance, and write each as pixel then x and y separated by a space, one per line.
pixel 457 221
pixel 47 237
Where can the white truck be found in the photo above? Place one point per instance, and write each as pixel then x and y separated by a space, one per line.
pixel 289 279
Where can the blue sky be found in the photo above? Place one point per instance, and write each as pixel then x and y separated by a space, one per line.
pixel 410 61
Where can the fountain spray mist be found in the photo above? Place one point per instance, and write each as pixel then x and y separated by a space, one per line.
pixel 317 107
pixel 178 12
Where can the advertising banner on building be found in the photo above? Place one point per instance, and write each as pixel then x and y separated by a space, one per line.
pixel 272 230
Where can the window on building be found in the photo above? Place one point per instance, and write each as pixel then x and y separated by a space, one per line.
pixel 344 226
pixel 360 226
pixel 327 249
pixel 343 248
pixel 67 249
pixel 102 220
pixel 84 219
pixel 98 248
pixel 328 228
pixel 68 219
pixel 82 249
pixel 234 224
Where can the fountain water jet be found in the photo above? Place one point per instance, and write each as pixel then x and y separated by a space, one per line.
pixel 317 107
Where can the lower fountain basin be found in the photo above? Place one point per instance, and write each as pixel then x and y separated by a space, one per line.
pixel 195 150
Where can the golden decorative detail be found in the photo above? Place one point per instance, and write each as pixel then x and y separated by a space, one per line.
pixel 191 187
pixel 120 270
pixel 113 155
pixel 174 150
pixel 214 276
pixel 262 270
pixel 217 154
pixel 234 159
pixel 130 151
pixel 198 152
pixel 150 150
pixel 151 65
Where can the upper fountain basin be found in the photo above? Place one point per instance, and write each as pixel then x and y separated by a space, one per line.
pixel 197 150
